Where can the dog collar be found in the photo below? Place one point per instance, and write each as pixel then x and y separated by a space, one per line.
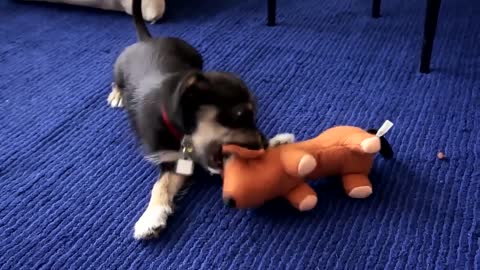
pixel 178 135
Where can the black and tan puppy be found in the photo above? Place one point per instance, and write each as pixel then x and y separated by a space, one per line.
pixel 179 112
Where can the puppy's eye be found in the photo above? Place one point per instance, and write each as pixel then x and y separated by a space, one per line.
pixel 238 113
pixel 237 117
pixel 242 113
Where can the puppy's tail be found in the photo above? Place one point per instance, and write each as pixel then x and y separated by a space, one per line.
pixel 142 31
pixel 385 148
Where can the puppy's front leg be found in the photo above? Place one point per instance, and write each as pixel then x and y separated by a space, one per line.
pixel 160 206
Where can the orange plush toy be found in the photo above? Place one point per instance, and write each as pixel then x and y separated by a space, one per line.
pixel 252 177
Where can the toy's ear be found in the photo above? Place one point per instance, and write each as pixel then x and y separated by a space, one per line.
pixel 298 163
pixel 242 152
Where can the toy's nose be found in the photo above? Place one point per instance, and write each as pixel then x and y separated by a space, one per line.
pixel 230 202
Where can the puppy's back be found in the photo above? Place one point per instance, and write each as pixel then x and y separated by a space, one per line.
pixel 157 56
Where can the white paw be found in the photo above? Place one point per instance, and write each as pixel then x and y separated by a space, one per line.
pixel 115 99
pixel 282 138
pixel 153 220
pixel 153 10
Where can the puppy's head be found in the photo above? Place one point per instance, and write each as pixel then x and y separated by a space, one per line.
pixel 217 108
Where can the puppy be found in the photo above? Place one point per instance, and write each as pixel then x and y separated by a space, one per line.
pixel 180 113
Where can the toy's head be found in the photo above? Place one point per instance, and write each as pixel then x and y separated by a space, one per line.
pixel 252 177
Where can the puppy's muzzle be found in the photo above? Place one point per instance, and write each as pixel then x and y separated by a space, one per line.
pixel 256 141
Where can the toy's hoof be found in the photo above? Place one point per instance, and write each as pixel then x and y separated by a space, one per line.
pixel 371 145
pixel 307 165
pixel 360 192
pixel 308 203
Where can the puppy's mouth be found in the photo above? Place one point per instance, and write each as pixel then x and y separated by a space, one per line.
pixel 216 156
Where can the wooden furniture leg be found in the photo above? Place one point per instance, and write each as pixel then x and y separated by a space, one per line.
pixel 271 12
pixel 376 8
pixel 430 28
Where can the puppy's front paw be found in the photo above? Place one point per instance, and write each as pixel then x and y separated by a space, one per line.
pixel 282 138
pixel 152 222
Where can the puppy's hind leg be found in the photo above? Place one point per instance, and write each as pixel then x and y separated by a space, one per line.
pixel 154 219
pixel 115 99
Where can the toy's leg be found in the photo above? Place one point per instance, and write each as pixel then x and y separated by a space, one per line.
pixel 357 186
pixel 303 197
pixel 364 143
pixel 298 163
pixel 371 145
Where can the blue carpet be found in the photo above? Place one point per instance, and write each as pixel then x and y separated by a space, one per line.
pixel 73 181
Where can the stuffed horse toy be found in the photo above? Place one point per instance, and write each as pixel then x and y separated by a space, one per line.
pixel 252 177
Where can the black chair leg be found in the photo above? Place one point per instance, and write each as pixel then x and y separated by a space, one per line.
pixel 430 28
pixel 376 8
pixel 271 12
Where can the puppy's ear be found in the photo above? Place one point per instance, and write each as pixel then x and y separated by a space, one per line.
pixel 192 88
pixel 191 92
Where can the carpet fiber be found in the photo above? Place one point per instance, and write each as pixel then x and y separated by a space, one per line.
pixel 73 181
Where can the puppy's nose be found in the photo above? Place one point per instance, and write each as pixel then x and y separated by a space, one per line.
pixel 264 142
pixel 230 202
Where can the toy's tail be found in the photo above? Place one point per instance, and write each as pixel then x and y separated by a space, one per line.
pixel 385 149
